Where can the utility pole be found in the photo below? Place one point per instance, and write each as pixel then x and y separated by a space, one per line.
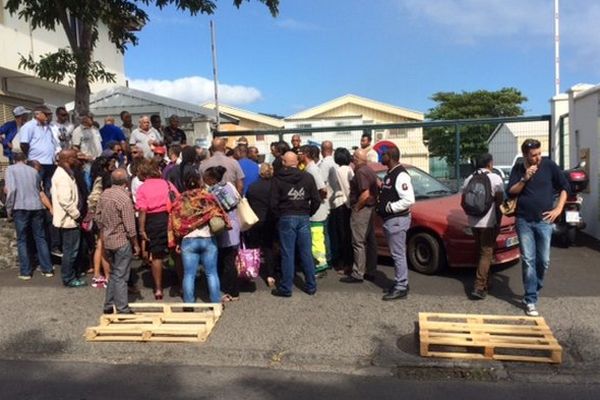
pixel 215 73
pixel 556 49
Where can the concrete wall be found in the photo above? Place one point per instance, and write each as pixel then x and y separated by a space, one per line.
pixel 584 115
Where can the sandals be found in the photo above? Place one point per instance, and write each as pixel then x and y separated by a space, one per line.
pixel 228 298
pixel 158 294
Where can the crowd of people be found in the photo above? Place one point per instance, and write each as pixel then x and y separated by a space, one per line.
pixel 98 197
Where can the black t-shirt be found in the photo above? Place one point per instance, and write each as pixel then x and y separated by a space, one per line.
pixel 176 136
pixel 538 194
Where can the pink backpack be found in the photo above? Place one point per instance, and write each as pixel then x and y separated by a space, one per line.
pixel 247 262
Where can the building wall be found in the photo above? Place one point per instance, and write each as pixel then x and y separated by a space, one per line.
pixel 17 38
pixel 584 115
pixel 504 147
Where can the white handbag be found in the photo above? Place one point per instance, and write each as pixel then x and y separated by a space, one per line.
pixel 246 215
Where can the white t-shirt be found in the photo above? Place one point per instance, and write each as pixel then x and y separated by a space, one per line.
pixel 323 211
pixel 489 219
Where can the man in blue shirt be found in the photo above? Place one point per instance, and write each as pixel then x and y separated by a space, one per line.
pixel 250 168
pixel 110 132
pixel 9 130
pixel 39 143
pixel 535 182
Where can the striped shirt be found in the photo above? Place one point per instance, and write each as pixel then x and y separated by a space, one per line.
pixel 116 217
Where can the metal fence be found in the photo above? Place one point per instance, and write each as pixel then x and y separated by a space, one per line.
pixel 433 146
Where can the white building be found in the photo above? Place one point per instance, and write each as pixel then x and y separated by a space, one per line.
pixel 505 142
pixel 195 120
pixel 22 87
pixel 584 139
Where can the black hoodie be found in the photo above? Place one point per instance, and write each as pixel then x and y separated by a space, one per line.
pixel 294 193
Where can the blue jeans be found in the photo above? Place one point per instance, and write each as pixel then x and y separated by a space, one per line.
pixel 70 247
pixel 534 238
pixel 194 251
pixel 294 233
pixel 31 222
pixel 46 177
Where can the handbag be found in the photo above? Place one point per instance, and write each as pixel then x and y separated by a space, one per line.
pixel 246 215
pixel 247 262
pixel 216 225
pixel 508 208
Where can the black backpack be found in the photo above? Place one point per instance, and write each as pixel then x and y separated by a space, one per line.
pixel 477 196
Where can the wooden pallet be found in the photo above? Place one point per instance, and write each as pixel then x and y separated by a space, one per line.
pixel 158 322
pixel 488 337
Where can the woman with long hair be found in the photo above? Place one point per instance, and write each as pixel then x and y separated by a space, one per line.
pixel 100 171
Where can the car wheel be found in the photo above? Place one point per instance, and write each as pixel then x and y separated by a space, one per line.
pixel 425 255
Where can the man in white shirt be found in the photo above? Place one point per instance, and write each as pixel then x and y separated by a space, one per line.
pixel 486 228
pixel 145 136
pixel 308 156
pixel 87 139
pixel 395 198
pixel 328 169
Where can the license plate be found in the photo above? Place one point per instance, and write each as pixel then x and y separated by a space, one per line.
pixel 573 217
pixel 512 241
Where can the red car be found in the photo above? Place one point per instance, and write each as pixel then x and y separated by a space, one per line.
pixel 439 235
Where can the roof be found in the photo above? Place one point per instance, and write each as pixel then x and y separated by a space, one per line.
pixel 361 101
pixel 240 113
pixel 122 97
pixel 522 129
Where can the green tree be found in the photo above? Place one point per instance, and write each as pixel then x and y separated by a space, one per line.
pixel 80 20
pixel 505 102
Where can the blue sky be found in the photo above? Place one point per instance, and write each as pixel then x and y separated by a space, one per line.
pixel 396 51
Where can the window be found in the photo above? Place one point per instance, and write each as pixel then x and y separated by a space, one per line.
pixel 397 134
pixel 343 123
pixel 304 126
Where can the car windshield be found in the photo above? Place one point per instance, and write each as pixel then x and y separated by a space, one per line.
pixel 424 185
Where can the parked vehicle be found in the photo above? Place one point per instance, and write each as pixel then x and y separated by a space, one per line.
pixel 503 171
pixel 570 221
pixel 439 235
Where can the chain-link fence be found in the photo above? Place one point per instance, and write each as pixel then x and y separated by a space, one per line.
pixel 433 146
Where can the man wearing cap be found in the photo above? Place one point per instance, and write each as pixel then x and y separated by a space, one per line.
pixel 9 130
pixel 63 128
pixel 37 141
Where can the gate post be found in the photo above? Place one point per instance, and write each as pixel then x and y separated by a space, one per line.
pixel 457 155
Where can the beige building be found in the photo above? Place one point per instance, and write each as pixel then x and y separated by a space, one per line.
pixel 22 87
pixel 351 110
pixel 247 121
pixel 505 142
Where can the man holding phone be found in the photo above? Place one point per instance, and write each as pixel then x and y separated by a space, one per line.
pixel 536 181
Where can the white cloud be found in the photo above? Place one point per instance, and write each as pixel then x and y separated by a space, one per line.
pixel 197 90
pixel 523 21
pixel 295 25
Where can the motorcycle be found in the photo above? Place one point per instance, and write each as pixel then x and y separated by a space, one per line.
pixel 570 221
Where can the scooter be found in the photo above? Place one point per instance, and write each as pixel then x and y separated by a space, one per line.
pixel 570 221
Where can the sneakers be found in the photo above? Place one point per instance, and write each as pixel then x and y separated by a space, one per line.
pixel 24 277
pixel 57 252
pixel 99 282
pixel 48 274
pixel 76 283
pixel 531 310
pixel 478 294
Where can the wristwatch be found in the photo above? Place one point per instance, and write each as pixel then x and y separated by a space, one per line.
pixel 523 180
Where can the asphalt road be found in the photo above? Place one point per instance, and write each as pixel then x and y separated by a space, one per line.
pixel 53 380
pixel 344 329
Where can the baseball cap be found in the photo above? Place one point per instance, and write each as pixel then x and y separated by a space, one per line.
pixel 20 110
pixel 159 150
pixel 43 108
